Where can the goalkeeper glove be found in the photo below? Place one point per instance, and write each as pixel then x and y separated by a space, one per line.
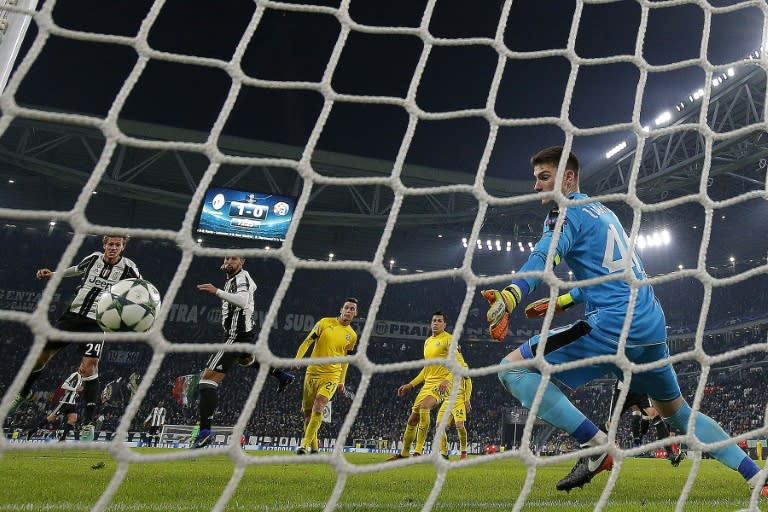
pixel 539 308
pixel 502 303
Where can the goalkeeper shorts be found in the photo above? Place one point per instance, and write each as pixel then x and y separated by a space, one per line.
pixel 659 383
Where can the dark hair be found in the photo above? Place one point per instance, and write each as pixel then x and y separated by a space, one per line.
pixel 351 299
pixel 552 156
pixel 440 313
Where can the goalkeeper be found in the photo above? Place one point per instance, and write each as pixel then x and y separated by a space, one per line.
pixel 590 238
pixel 643 413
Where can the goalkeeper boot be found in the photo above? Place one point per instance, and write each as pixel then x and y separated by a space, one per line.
pixel 584 471
pixel 87 432
pixel 16 403
pixel 445 456
pixel 463 456
pixel 397 456
pixel 203 439
pixel 285 381
pixel 764 491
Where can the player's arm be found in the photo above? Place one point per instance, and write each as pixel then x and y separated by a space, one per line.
pixel 67 384
pixel 344 368
pixel 313 335
pixel 467 383
pixel 565 301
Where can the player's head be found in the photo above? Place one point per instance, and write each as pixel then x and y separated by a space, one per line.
pixel 348 311
pixel 545 164
pixel 232 264
pixel 114 245
pixel 439 322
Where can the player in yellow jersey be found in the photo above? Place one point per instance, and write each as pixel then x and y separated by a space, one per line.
pixel 333 337
pixel 437 381
pixel 461 407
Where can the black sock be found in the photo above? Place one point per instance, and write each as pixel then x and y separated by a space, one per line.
pixel 208 402
pixel 91 395
pixel 27 387
pixel 662 431
pixel 67 428
pixel 645 423
pixel 278 374
pixel 635 425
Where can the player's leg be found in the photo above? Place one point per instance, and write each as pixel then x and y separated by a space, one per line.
pixel 444 437
pixel 411 426
pixel 555 408
pixel 459 414
pixel 325 392
pixel 309 393
pixel 425 415
pixel 635 421
pixel 50 350
pixel 661 385
pixel 89 369
pixel 69 424
pixel 284 379
pixel 208 388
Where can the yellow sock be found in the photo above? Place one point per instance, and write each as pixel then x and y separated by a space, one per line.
pixel 421 431
pixel 312 427
pixel 410 433
pixel 444 438
pixel 462 433
pixel 315 445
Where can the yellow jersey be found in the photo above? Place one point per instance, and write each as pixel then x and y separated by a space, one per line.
pixel 437 347
pixel 331 339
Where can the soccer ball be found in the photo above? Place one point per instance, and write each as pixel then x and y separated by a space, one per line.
pixel 130 305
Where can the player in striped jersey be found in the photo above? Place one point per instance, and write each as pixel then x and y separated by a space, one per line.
pixel 237 303
pixel 67 406
pixel 156 420
pixel 98 272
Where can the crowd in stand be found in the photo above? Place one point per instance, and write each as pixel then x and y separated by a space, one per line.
pixel 735 393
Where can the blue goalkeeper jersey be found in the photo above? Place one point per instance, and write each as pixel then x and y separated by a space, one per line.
pixel 594 244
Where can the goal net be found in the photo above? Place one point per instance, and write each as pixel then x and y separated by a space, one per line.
pixel 401 132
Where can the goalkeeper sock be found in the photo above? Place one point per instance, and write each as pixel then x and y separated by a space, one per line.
pixel 410 433
pixel 555 408
pixel 312 429
pixel 708 431
pixel 91 395
pixel 315 445
pixel 462 433
pixel 422 429
pixel 208 402
pixel 27 387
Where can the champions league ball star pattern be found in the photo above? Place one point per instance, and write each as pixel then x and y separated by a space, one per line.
pixel 130 305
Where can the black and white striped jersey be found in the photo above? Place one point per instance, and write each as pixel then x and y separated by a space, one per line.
pixel 70 386
pixel 97 277
pixel 156 418
pixel 237 303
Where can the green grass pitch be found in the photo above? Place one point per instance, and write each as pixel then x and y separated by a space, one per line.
pixel 64 480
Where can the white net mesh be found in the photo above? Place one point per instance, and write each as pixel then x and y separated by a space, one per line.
pixel 711 132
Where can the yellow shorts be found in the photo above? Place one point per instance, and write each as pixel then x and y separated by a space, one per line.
pixel 459 411
pixel 430 389
pixel 318 385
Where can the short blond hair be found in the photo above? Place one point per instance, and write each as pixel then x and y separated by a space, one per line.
pixel 107 237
